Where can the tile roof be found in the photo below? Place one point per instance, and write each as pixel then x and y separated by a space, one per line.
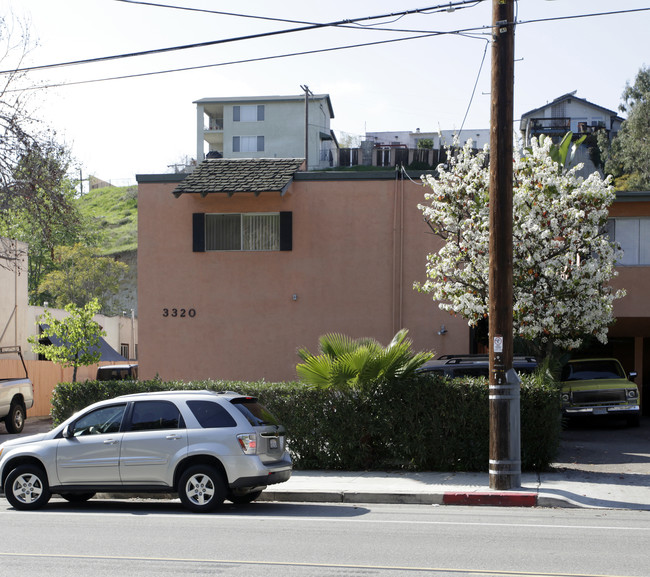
pixel 231 175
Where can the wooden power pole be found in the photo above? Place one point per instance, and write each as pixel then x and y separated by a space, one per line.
pixel 505 451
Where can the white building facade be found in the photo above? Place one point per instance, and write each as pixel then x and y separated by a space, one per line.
pixel 267 127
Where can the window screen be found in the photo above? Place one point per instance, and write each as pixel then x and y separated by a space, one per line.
pixel 252 232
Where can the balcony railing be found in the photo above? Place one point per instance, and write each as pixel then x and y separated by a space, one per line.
pixel 214 124
pixel 549 126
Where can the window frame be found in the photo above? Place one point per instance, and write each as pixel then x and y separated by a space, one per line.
pixel 248 113
pixel 244 143
pixel 88 428
pixel 199 235
pixel 637 250
pixel 132 426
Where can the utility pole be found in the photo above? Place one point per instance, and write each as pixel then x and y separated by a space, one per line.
pixel 307 93
pixel 505 449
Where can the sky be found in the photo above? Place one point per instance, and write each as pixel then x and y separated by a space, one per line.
pixel 146 124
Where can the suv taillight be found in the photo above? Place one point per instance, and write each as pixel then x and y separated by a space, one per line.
pixel 248 443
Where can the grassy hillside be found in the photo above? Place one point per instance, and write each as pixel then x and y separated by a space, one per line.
pixel 113 212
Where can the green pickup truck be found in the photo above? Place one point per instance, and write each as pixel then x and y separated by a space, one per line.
pixel 599 387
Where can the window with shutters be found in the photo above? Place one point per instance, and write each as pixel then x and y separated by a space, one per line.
pixel 248 113
pixel 248 144
pixel 254 232
pixel 242 231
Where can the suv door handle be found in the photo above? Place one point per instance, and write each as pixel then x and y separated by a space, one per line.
pixel 110 442
pixel 173 437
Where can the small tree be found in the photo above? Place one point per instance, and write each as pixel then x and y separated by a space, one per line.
pixel 78 337
pixel 563 259
pixel 353 363
pixel 33 165
pixel 629 153
pixel 83 275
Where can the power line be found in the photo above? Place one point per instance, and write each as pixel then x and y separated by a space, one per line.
pixel 575 16
pixel 428 10
pixel 467 32
pixel 206 11
pixel 478 76
pixel 464 33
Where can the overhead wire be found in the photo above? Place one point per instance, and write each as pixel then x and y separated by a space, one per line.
pixel 478 76
pixel 247 60
pixel 311 26
pixel 473 32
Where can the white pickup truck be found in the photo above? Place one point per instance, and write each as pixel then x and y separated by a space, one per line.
pixel 16 396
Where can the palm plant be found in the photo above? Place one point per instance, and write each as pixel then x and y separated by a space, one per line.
pixel 345 362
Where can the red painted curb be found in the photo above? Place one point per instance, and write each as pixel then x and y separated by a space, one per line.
pixel 488 498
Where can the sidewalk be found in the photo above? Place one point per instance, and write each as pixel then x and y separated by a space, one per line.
pixel 600 464
pixel 598 467
pixel 562 488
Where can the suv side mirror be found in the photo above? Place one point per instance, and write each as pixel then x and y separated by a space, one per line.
pixel 632 375
pixel 68 432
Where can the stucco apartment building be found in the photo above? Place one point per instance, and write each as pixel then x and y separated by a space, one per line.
pixel 244 261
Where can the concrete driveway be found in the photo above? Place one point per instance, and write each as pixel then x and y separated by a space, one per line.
pixel 606 446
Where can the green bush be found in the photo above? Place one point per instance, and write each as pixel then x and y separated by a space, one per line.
pixel 420 424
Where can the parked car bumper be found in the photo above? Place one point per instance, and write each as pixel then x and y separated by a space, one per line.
pixel 260 474
pixel 615 410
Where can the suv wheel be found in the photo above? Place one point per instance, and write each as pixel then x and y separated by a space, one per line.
pixel 26 488
pixel 15 420
pixel 201 489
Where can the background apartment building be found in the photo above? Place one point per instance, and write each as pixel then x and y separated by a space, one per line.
pixel 267 127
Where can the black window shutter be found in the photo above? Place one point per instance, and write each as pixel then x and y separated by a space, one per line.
pixel 198 232
pixel 236 113
pixel 286 231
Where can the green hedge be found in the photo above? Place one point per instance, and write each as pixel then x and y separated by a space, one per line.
pixel 423 424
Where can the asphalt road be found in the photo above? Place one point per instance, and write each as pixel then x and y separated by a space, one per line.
pixel 140 539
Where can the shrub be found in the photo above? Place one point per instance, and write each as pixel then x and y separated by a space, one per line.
pixel 424 423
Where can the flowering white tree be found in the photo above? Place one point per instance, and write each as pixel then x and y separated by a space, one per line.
pixel 563 258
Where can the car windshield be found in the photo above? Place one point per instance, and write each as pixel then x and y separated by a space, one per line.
pixel 590 370
pixel 256 414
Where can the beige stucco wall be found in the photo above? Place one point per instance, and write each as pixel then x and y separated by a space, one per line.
pixel 118 329
pixel 13 293
pixel 358 246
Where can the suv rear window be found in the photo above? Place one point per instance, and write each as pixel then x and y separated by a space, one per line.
pixel 211 415
pixel 256 414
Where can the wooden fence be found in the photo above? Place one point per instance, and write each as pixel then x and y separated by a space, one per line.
pixel 45 376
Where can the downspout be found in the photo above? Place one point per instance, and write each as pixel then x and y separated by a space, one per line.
pixel 401 253
pixel 394 271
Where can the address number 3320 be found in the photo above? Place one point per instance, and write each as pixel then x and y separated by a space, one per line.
pixel 180 313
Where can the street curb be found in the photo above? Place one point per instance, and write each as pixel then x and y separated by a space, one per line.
pixel 351 497
pixel 465 498
pixel 509 499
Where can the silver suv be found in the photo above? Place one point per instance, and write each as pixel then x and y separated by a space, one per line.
pixel 204 446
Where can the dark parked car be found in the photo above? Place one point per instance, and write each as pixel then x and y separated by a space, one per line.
pixel 472 365
pixel 123 372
